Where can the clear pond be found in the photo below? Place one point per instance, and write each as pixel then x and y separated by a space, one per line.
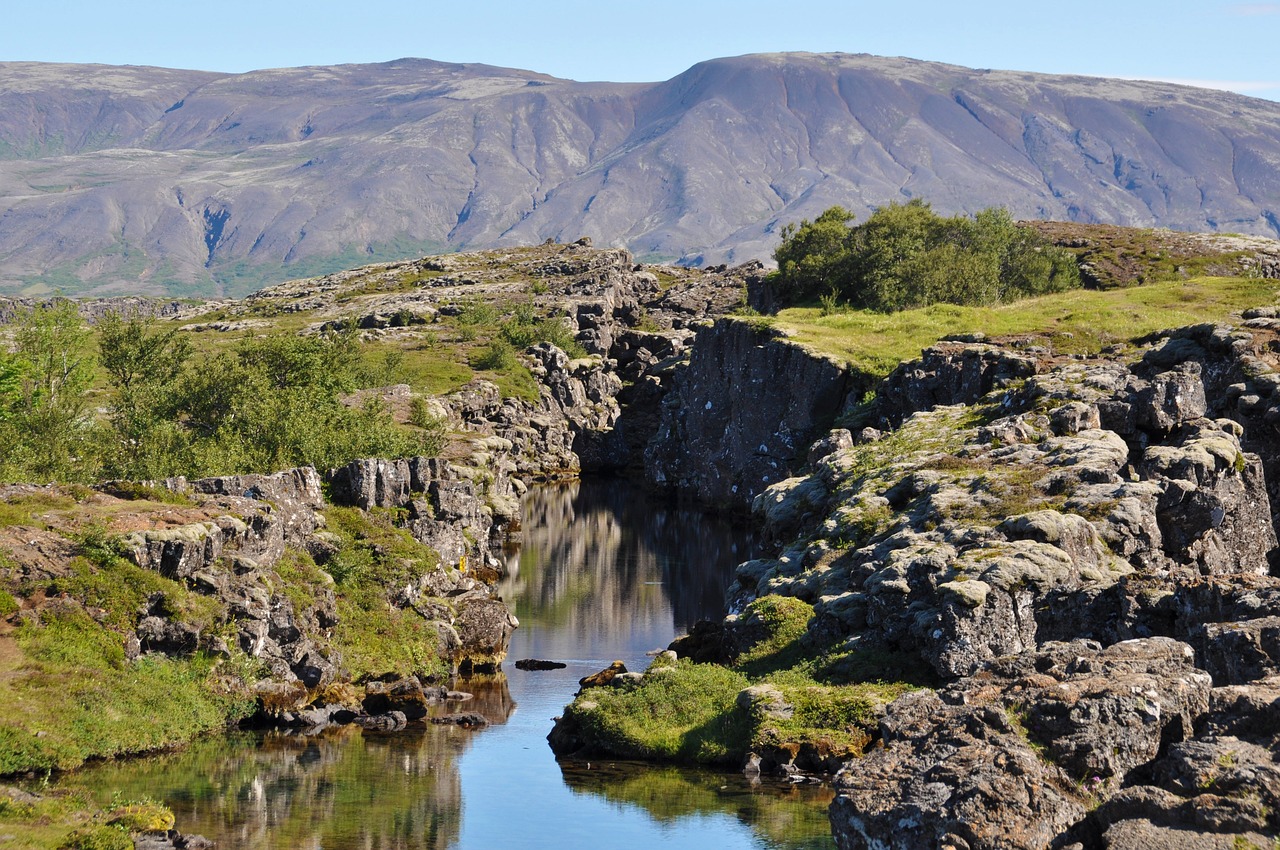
pixel 602 573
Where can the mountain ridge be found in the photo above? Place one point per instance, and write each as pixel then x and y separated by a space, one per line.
pixel 128 179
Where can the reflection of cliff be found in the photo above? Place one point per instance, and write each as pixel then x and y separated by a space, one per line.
pixel 790 815
pixel 634 559
pixel 340 789
pixel 491 697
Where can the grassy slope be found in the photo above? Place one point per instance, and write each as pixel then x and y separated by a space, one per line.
pixel 1081 321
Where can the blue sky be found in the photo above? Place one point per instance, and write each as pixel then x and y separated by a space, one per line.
pixel 1227 45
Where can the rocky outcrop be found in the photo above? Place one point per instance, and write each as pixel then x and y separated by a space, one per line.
pixel 231 557
pixel 1012 758
pixel 447 510
pixel 1081 550
pixel 252 521
pixel 742 415
pixel 959 372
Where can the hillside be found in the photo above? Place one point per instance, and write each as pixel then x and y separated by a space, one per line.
pixel 146 180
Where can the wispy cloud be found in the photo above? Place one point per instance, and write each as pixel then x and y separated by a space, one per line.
pixel 1256 9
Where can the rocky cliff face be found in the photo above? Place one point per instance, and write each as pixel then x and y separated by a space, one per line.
pixel 1080 550
pixel 135 175
pixel 742 415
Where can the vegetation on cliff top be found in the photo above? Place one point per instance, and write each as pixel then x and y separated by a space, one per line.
pixel 1080 321
pixel 906 255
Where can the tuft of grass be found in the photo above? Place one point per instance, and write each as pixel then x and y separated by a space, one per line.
pixel 22 510
pixel 374 551
pixel 686 714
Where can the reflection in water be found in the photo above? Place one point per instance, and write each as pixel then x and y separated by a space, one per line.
pixel 340 789
pixel 602 573
pixel 600 561
pixel 787 816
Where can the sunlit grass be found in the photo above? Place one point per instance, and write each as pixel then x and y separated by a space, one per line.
pixel 1081 321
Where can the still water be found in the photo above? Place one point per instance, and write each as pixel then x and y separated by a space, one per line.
pixel 601 574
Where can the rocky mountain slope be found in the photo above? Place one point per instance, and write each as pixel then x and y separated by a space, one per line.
pixel 143 179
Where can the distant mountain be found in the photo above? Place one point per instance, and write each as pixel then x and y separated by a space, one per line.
pixel 148 180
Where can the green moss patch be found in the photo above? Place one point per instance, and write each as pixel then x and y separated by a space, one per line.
pixel 686 713
pixel 376 639
pixel 71 695
pixel 826 700
pixel 374 557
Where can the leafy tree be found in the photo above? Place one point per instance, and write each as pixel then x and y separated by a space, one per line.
pixel 48 434
pixel 143 363
pixel 276 401
pixel 813 254
pixel 905 255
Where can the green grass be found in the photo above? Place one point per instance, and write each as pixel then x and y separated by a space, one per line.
pixel 69 819
pixel 70 695
pixel 690 712
pixel 685 714
pixel 22 510
pixel 121 588
pixel 1080 321
pixel 376 640
pixel 374 558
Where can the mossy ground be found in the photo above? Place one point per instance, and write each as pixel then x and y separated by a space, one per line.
pixel 69 819
pixel 70 695
pixel 375 557
pixel 691 712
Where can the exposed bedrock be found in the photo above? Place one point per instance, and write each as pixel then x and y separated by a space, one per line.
pixel 1081 549
pixel 742 415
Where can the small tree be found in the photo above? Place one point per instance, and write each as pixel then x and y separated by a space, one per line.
pixel 905 255
pixel 143 363
pixel 813 254
pixel 48 432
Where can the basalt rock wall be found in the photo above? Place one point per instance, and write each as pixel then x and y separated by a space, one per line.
pixel 742 415
pixel 1082 550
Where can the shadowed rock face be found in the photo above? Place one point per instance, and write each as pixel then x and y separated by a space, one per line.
pixel 167 181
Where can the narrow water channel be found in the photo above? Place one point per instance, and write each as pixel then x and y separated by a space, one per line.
pixel 601 574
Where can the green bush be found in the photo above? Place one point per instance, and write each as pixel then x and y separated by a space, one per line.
pixel 98 838
pixel 525 328
pixel 905 255
pixel 497 356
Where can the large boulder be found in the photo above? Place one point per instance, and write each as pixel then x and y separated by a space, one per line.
pixel 951 776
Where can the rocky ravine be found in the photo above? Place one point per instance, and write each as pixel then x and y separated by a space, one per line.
pixel 1080 549
pixel 233 539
